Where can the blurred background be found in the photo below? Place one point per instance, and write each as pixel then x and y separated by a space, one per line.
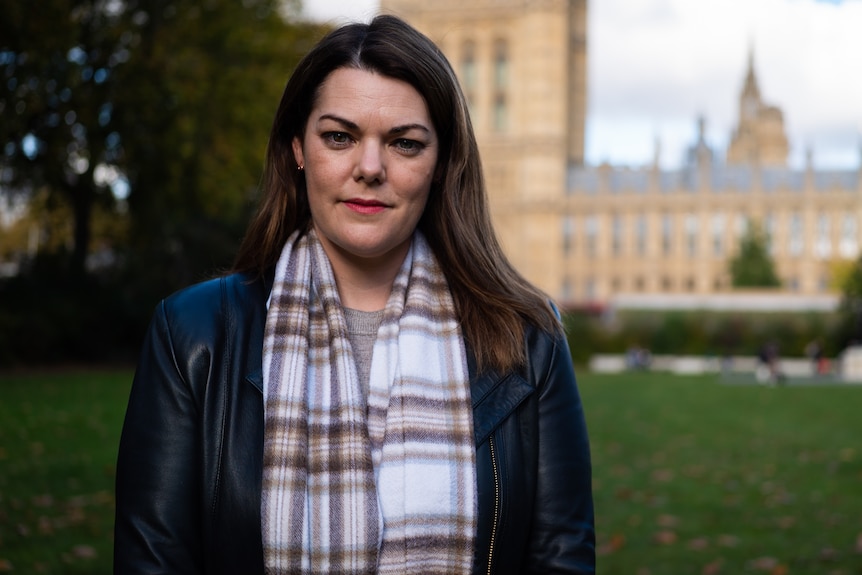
pixel 659 156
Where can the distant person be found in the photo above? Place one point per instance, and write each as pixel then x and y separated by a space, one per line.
pixel 819 362
pixel 770 368
pixel 374 389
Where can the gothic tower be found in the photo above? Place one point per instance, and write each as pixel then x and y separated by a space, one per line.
pixel 522 65
pixel 759 138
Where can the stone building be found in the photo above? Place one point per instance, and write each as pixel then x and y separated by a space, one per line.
pixel 588 234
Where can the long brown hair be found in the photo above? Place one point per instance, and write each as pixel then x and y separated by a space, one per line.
pixel 493 300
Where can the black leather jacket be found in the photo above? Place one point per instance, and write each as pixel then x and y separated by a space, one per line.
pixel 190 460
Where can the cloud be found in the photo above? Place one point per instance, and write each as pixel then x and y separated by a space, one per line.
pixel 661 63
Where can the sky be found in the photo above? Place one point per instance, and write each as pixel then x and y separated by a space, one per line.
pixel 655 66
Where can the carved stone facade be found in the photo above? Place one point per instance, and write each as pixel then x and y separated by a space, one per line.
pixel 759 138
pixel 588 234
pixel 522 65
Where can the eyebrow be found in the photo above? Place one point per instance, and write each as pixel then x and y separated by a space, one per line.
pixel 353 126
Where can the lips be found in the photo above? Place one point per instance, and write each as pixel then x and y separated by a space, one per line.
pixel 367 207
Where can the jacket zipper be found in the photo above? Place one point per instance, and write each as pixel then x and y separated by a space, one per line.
pixel 496 503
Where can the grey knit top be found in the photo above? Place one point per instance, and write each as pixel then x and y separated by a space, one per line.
pixel 362 329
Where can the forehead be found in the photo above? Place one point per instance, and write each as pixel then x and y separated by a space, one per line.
pixel 358 91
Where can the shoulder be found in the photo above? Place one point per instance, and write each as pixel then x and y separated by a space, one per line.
pixel 548 354
pixel 206 304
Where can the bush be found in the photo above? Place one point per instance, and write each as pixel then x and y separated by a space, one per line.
pixel 700 332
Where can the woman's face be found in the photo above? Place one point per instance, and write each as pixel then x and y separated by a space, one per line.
pixel 369 153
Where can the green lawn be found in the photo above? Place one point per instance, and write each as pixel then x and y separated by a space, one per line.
pixel 58 447
pixel 692 476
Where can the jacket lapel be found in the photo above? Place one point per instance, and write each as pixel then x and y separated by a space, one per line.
pixel 494 397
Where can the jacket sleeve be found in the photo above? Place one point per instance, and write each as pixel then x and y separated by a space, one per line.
pixel 157 523
pixel 563 532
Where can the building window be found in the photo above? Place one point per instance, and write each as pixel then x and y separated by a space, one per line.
pixel 769 230
pixel 617 232
pixel 568 235
pixel 641 234
pixel 691 235
pixel 566 291
pixel 741 226
pixel 500 112
pixel 718 235
pixel 666 234
pixel 501 65
pixel 501 84
pixel 468 72
pixel 796 239
pixel 849 245
pixel 592 232
pixel 823 243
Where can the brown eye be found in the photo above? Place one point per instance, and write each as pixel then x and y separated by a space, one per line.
pixel 337 138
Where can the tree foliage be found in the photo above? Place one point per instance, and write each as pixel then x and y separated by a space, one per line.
pixel 165 103
pixel 752 266
pixel 57 59
pixel 138 126
pixel 850 308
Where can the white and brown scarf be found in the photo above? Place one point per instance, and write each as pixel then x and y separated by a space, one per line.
pixel 384 484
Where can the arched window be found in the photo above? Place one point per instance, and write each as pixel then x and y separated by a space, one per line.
pixel 501 84
pixel 468 70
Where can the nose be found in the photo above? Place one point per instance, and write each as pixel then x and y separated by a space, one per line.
pixel 370 163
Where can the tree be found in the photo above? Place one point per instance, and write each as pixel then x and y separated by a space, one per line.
pixel 160 106
pixel 849 329
pixel 752 266
pixel 57 61
pixel 137 122
pixel 214 72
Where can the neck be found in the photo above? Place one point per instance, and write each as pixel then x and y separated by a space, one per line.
pixel 364 284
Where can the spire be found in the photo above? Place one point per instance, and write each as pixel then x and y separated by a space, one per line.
pixel 750 87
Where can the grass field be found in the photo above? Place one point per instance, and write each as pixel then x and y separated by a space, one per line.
pixel 692 476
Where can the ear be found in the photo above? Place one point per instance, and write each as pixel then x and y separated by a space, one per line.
pixel 297 151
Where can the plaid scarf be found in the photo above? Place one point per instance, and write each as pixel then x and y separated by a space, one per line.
pixel 354 484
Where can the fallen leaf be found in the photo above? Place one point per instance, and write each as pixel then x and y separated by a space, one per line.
pixel 859 543
pixel 712 568
pixel 665 537
pixel 5 566
pixel 666 520
pixel 764 563
pixel 624 494
pixel 828 554
pixel 728 540
pixel 663 475
pixel 84 552
pixel 698 544
pixel 786 522
pixel 45 500
pixel 616 542
pixel 45 525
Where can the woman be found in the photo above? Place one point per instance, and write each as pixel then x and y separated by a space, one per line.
pixel 375 389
